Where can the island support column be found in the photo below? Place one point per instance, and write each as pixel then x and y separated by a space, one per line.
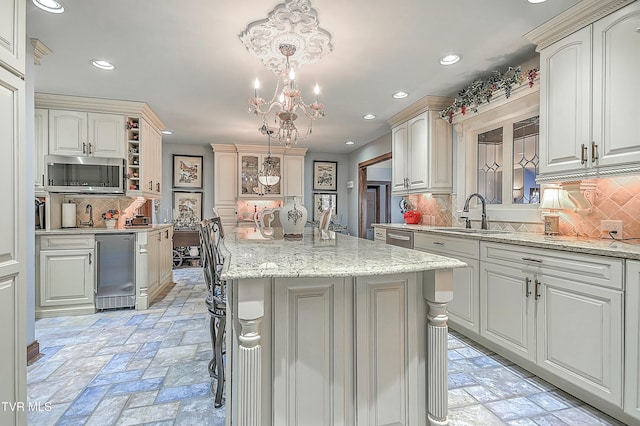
pixel 438 290
pixel 249 385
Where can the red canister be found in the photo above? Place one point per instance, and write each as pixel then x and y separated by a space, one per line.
pixel 412 217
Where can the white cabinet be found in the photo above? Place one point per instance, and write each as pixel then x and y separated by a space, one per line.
pixel 587 118
pixel 562 311
pixel 225 187
pixel 153 263
pixel 78 133
pixel 12 36
pixel 66 282
pixel 249 165
pixel 464 309
pixel 311 340
pixel 41 146
pixel 166 255
pixel 422 158
pixel 293 176
pixel 144 158
pixel 632 340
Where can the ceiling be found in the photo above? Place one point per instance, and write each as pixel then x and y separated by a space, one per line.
pixel 185 59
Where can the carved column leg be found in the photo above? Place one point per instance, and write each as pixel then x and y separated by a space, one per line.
pixel 438 290
pixel 437 364
pixel 249 374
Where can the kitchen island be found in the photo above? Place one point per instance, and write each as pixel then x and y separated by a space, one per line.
pixel 335 330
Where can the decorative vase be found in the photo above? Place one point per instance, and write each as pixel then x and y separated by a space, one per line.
pixel 110 223
pixel 293 217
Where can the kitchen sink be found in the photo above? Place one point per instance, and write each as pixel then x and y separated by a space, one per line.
pixel 473 230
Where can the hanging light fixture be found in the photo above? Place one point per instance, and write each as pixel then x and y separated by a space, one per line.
pixel 287 103
pixel 269 175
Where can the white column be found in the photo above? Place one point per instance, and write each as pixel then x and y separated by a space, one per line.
pixel 438 290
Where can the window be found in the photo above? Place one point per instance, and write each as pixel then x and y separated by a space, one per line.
pixel 513 144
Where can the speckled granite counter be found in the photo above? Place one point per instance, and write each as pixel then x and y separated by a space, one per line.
pixel 312 256
pixel 604 247
pixel 321 306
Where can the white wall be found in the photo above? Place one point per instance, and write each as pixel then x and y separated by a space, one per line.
pixel 168 150
pixel 342 213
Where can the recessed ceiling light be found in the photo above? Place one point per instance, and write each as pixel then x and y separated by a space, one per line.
pixel 167 132
pixel 349 143
pixel 369 116
pixel 537 1
pixel 102 64
pixel 400 95
pixel 49 5
pixel 449 59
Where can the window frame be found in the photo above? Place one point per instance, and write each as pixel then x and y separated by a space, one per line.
pixel 466 128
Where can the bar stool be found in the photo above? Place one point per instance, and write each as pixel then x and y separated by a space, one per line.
pixel 211 236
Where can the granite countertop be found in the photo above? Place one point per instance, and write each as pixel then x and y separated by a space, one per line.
pixel 249 255
pixel 602 247
pixel 87 230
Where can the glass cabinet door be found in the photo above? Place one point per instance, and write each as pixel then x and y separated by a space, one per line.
pixel 249 167
pixel 273 189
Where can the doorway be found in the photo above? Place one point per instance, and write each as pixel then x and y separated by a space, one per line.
pixel 374 194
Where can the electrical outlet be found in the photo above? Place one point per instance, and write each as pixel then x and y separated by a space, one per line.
pixel 613 226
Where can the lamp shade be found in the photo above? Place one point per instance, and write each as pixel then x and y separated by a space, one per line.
pixel 551 199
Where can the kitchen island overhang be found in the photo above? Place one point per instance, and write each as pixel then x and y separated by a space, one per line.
pixel 336 330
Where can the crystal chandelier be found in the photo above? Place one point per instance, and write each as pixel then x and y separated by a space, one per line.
pixel 287 103
pixel 269 175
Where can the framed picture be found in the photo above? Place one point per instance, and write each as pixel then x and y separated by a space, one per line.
pixel 187 209
pixel 322 202
pixel 187 171
pixel 325 175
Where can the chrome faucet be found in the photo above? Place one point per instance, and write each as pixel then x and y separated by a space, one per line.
pixel 465 209
pixel 88 210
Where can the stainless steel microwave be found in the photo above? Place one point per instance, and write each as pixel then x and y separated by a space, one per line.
pixel 93 175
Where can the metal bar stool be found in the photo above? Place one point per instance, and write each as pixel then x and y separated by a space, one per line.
pixel 211 235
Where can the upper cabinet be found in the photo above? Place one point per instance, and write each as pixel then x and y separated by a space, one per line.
pixel 12 35
pixel 422 149
pixel 249 184
pixel 588 119
pixel 41 144
pixel 144 162
pixel 86 134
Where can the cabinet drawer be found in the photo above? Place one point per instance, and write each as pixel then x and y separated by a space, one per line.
pixel 67 242
pixel 446 245
pixel 597 270
pixel 380 234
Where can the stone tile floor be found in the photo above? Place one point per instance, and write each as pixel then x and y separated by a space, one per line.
pixel 149 367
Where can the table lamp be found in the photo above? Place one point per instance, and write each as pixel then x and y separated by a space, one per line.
pixel 551 202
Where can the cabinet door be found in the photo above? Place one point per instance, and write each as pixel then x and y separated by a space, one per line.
pixel 506 313
pixel 418 152
pixel 158 161
pixel 41 141
pixel 565 104
pixel 579 336
pixel 67 133
pixel 249 165
pixel 106 135
pixel 66 277
pixel 12 35
pixel 389 325
pixel 153 261
pixel 166 255
pixel 399 148
pixel 463 310
pixel 616 60
pixel 145 159
pixel 311 370
pixel 274 190
pixel 632 340
pixel 293 176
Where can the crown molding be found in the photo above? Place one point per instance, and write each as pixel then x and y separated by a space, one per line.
pixel 571 20
pixel 40 50
pixel 99 105
pixel 257 149
pixel 428 103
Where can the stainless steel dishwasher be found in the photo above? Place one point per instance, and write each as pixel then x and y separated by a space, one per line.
pixel 115 271
pixel 400 238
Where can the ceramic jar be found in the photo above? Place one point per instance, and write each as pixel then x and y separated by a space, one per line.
pixel 293 217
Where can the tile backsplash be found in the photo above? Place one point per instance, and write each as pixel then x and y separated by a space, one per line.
pixel 125 205
pixel 613 199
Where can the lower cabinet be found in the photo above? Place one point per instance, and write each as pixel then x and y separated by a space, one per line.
pixel 561 311
pixel 154 263
pixel 632 340
pixel 65 276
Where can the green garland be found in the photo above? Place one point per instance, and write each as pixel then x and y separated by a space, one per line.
pixel 481 91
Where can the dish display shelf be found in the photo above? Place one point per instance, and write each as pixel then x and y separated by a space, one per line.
pixel 133 153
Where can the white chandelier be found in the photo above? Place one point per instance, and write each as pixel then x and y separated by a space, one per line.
pixel 287 103
pixel 269 175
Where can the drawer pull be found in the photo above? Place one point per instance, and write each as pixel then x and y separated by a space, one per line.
pixel 399 237
pixel 583 154
pixel 537 288
pixel 530 259
pixel 594 152
pixel 438 243
pixel 527 292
